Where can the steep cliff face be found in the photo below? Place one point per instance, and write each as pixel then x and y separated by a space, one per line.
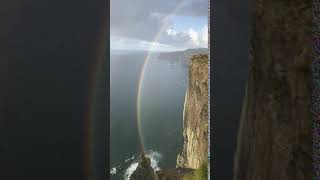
pixel 195 117
pixel 275 134
pixel 191 162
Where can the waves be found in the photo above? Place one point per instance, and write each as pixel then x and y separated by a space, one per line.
pixel 129 159
pixel 114 170
pixel 154 156
pixel 130 170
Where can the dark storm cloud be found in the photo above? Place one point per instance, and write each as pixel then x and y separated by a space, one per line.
pixel 142 19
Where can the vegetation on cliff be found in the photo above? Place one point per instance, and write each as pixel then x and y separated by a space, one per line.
pixel 199 174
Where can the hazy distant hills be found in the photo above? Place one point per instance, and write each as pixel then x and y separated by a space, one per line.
pixel 182 56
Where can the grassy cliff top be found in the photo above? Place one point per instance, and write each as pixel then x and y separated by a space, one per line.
pixel 199 61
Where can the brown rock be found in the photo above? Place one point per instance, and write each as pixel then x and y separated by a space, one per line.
pixel 275 134
pixel 195 117
pixel 144 170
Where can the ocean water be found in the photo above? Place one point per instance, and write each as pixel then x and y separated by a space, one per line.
pixel 163 93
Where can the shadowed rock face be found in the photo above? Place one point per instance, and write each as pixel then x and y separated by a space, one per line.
pixel 195 117
pixel 144 170
pixel 275 135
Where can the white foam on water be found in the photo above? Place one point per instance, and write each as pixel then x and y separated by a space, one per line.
pixel 130 170
pixel 113 171
pixel 154 157
pixel 132 158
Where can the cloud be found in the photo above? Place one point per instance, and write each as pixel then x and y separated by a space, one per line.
pixel 146 19
pixel 171 32
pixel 189 38
pixel 205 34
pixel 194 36
pixel 122 43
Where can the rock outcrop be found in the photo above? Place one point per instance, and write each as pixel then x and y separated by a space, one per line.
pixel 275 134
pixel 144 170
pixel 195 117
pixel 175 174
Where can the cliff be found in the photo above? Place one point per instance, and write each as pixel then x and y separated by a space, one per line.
pixel 195 117
pixel 192 161
pixel 275 134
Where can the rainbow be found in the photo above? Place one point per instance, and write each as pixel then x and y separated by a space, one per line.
pixel 97 73
pixel 143 68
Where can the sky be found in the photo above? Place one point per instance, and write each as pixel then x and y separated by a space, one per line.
pixel 165 25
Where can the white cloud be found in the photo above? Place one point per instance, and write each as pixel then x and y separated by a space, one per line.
pixel 169 40
pixel 171 32
pixel 188 38
pixel 205 34
pixel 143 19
pixel 194 36
pixel 124 43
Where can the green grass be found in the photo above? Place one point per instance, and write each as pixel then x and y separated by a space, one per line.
pixel 200 174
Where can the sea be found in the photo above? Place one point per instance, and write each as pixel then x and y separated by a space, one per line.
pixel 162 98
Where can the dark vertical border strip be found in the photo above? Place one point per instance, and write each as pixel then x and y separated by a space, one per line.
pixel 316 88
pixel 97 124
pixel 211 99
pixel 101 135
pixel 208 166
pixel 106 84
pixel 108 87
pixel 108 90
pixel 230 26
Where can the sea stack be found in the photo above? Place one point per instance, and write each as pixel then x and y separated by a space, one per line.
pixel 144 170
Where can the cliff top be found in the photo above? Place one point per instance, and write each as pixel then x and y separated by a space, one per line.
pixel 199 60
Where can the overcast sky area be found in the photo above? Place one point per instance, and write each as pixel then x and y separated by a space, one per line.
pixel 159 25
